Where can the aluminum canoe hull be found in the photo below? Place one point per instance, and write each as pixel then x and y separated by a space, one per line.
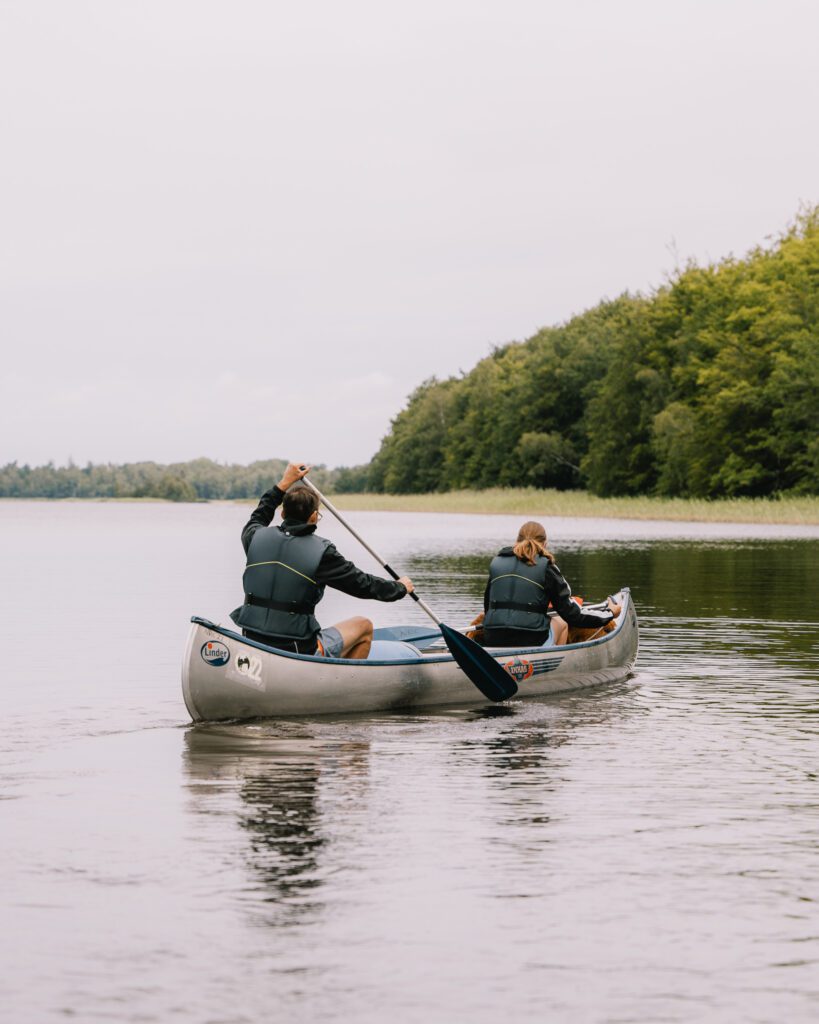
pixel 225 676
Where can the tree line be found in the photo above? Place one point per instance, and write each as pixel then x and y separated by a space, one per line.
pixel 198 480
pixel 707 387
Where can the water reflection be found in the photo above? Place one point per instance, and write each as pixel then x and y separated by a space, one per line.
pixel 528 732
pixel 514 756
pixel 299 793
pixel 284 830
pixel 278 772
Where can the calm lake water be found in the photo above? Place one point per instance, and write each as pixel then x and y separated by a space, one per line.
pixel 646 852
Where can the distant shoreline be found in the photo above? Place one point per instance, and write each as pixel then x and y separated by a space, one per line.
pixel 795 511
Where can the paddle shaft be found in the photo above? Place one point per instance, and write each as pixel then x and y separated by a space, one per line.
pixel 382 562
pixel 494 682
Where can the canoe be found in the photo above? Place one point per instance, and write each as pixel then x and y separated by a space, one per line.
pixel 227 676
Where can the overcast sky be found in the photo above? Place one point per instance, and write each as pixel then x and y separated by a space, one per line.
pixel 249 229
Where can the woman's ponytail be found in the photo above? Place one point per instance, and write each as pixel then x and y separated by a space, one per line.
pixel 531 543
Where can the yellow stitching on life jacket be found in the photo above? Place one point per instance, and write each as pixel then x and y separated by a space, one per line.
pixel 284 566
pixel 517 576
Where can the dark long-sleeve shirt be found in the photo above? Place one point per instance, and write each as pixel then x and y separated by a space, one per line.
pixel 334 569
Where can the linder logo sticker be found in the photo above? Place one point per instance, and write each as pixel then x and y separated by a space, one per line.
pixel 215 653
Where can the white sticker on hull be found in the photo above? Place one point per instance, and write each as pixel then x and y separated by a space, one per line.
pixel 248 671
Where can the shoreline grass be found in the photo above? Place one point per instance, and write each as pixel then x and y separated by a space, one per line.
pixel 530 501
pixel 799 511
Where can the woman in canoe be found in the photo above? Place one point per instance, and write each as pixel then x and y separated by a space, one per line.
pixel 524 581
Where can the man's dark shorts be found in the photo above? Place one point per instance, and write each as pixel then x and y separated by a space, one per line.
pixel 328 644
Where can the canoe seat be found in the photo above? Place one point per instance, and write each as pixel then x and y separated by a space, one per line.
pixel 392 650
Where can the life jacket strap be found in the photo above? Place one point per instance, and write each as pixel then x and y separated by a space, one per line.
pixel 517 606
pixel 293 607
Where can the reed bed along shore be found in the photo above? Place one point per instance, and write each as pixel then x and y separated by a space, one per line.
pixel 803 511
pixel 793 511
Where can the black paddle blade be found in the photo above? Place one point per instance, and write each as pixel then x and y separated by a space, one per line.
pixel 491 678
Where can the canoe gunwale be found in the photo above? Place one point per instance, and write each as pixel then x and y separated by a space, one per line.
pixel 314 658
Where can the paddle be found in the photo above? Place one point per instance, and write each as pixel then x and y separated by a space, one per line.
pixel 492 679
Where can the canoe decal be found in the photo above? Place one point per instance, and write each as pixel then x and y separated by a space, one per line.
pixel 215 653
pixel 250 666
pixel 519 668
pixel 546 665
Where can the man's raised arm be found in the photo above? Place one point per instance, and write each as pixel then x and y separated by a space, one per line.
pixel 263 514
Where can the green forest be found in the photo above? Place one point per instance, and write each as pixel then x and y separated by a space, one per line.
pixel 198 480
pixel 708 387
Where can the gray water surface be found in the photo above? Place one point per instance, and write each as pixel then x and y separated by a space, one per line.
pixel 645 852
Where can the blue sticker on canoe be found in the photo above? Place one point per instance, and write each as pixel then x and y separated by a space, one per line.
pixel 215 653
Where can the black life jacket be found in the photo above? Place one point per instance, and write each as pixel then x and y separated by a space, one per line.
pixel 518 596
pixel 281 592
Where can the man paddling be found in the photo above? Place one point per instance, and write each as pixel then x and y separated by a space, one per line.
pixel 287 569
